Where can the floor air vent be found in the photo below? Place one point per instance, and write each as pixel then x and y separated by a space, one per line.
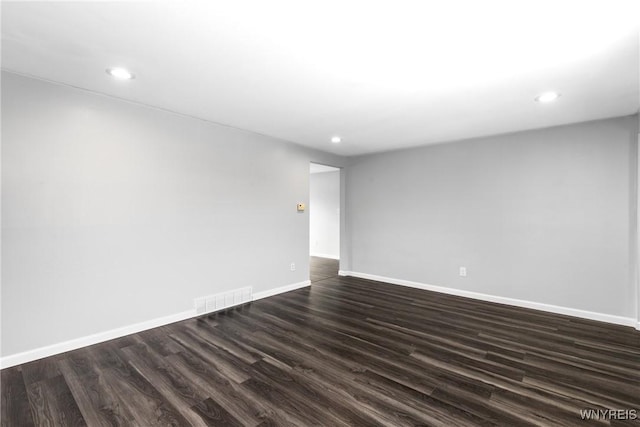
pixel 223 300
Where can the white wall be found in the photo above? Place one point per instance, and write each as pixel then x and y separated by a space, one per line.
pixel 115 213
pixel 544 216
pixel 324 214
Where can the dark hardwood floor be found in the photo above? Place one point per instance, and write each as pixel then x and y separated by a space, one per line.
pixel 345 351
pixel 322 268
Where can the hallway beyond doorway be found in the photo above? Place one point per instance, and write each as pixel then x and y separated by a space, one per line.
pixel 322 268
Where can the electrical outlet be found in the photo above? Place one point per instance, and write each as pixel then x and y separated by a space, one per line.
pixel 463 271
pixel 293 266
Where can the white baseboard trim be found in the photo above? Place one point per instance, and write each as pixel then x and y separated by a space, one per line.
pixel 325 255
pixel 280 290
pixel 602 317
pixel 53 349
pixel 50 350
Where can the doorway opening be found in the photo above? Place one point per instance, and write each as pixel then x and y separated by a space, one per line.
pixel 324 221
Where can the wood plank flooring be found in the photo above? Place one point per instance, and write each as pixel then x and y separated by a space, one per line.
pixel 344 352
pixel 322 268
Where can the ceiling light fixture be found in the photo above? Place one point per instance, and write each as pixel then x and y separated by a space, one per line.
pixel 547 97
pixel 336 139
pixel 120 73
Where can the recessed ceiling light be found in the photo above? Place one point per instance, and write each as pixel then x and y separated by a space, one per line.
pixel 547 97
pixel 120 73
pixel 336 139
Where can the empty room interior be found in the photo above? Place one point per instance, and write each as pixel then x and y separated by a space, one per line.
pixel 335 213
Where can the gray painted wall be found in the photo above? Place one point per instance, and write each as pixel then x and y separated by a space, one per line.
pixel 115 213
pixel 635 252
pixel 324 214
pixel 544 216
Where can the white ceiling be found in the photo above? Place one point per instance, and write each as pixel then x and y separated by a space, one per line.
pixel 381 74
